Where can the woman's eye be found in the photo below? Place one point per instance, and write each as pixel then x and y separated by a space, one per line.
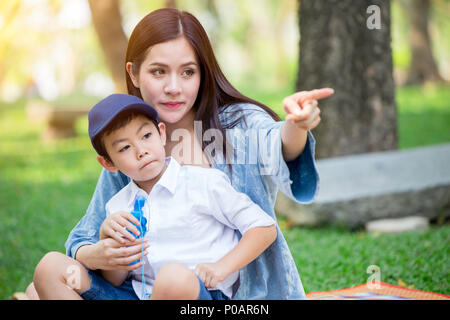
pixel 157 72
pixel 188 72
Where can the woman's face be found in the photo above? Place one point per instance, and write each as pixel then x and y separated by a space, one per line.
pixel 169 79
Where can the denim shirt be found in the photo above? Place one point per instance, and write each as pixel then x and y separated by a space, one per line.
pixel 258 170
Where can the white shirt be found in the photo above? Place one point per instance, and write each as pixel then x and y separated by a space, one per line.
pixel 193 215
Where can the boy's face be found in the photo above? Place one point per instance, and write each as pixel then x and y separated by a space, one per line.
pixel 136 149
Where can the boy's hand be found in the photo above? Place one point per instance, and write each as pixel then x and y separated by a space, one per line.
pixel 211 273
pixel 114 226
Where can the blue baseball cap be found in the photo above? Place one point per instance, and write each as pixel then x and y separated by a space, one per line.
pixel 107 109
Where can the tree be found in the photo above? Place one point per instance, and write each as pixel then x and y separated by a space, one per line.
pixel 423 66
pixel 171 3
pixel 108 25
pixel 346 45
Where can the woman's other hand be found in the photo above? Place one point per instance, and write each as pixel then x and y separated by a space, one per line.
pixel 108 254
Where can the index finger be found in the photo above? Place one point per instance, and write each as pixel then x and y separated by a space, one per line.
pixel 315 94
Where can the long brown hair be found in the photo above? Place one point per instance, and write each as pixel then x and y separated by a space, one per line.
pixel 215 93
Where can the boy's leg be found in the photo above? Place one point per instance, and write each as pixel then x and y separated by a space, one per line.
pixel 175 281
pixel 31 292
pixel 58 276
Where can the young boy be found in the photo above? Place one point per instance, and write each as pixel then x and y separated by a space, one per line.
pixel 192 213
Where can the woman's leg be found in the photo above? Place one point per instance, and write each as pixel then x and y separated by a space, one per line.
pixel 58 276
pixel 175 281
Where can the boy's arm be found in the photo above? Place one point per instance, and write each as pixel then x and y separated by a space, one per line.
pixel 237 211
pixel 116 277
pixel 252 244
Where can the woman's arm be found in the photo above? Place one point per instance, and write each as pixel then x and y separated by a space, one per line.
pixel 108 254
pixel 86 232
pixel 293 140
pixel 83 243
pixel 303 115
pixel 298 179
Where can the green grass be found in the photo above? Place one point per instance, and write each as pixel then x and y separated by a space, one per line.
pixel 423 116
pixel 45 189
pixel 330 258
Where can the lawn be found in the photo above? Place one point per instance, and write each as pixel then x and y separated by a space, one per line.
pixel 46 187
pixel 423 116
pixel 330 258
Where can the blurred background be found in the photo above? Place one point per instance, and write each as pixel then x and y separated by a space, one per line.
pixel 50 48
pixel 56 62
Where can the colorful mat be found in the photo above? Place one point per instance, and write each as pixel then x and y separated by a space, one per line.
pixel 384 292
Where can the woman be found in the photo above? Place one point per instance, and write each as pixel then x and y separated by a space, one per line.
pixel 170 64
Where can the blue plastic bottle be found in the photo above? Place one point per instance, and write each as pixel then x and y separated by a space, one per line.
pixel 139 214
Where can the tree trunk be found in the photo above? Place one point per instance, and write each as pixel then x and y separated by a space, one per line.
pixel 339 48
pixel 108 25
pixel 170 3
pixel 423 66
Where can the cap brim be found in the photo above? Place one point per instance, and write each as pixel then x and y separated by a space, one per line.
pixel 150 112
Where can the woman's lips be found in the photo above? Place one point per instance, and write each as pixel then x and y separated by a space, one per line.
pixel 172 105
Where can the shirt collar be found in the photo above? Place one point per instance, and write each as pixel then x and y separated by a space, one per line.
pixel 168 180
pixel 170 177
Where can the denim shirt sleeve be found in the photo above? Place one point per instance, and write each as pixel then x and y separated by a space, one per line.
pixel 87 229
pixel 298 179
